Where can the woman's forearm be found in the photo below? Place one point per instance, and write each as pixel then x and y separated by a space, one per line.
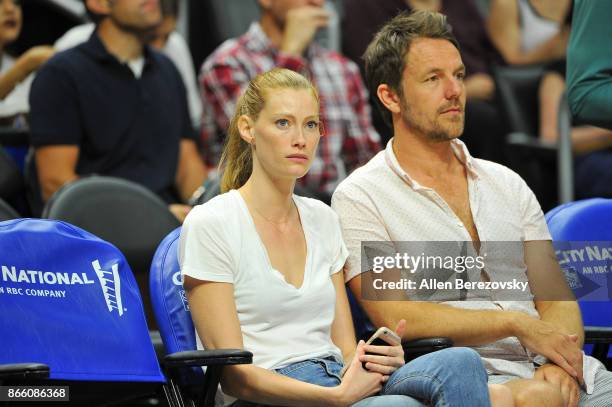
pixel 260 385
pixel 13 76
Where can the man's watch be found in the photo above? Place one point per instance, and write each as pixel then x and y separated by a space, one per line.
pixel 197 195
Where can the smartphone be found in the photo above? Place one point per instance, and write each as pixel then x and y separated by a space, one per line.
pixel 383 337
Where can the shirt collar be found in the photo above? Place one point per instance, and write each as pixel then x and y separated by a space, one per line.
pixel 96 48
pixel 257 40
pixel 459 148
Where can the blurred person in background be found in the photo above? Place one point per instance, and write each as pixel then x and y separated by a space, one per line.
pixel 284 37
pixel 483 133
pixel 589 79
pixel 589 63
pixel 15 73
pixel 537 31
pixel 164 39
pixel 113 106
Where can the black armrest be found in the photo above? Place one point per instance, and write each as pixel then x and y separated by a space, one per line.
pixel 24 371
pixel 210 357
pixel 12 137
pixel 419 347
pixel 215 359
pixel 598 334
pixel 526 141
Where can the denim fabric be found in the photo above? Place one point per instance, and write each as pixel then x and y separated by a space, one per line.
pixel 324 372
pixel 451 377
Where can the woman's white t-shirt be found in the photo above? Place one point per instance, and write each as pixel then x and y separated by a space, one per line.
pixel 15 102
pixel 280 324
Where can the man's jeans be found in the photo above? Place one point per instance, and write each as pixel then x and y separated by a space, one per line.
pixel 451 377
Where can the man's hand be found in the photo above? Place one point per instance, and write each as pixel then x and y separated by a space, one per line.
pixel 569 387
pixel 180 211
pixel 301 26
pixel 548 340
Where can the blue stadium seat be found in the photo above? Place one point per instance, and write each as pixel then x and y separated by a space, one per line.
pixel 178 334
pixel 69 300
pixel 587 225
pixel 122 212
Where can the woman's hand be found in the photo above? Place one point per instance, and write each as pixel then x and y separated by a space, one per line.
pixel 386 359
pixel 358 383
pixel 36 56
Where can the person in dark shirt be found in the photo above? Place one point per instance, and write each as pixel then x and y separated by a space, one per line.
pixel 113 106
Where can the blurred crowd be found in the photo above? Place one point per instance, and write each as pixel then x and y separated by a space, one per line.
pixel 120 95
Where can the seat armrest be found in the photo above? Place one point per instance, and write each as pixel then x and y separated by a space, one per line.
pixel 419 347
pixel 12 137
pixel 524 140
pixel 208 357
pixel 598 334
pixel 24 371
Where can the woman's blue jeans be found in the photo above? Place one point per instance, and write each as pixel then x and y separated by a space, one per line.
pixel 453 377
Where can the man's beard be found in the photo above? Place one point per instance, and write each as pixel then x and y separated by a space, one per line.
pixel 432 129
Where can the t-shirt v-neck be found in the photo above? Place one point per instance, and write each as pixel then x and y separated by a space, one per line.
pixel 264 250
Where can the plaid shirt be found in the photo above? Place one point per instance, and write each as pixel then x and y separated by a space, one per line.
pixel 350 140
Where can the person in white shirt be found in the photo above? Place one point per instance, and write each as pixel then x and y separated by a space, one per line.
pixel 15 73
pixel 166 40
pixel 262 269
pixel 424 189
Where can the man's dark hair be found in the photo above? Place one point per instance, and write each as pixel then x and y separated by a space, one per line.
pixel 385 56
pixel 169 8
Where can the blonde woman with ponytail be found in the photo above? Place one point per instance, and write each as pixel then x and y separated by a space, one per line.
pixel 262 268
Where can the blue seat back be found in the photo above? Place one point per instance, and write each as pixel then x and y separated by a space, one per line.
pixel 362 324
pixel 170 303
pixel 69 300
pixel 586 225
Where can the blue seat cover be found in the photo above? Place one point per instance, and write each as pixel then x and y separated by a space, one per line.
pixel 68 299
pixel 170 303
pixel 586 225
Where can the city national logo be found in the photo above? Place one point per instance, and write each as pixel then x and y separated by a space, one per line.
pixel 111 286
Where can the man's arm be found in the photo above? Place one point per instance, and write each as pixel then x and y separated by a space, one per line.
pixel 555 303
pixel 425 319
pixel 361 223
pixel 553 298
pixel 474 327
pixel 56 127
pixel 190 173
pixel 56 167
